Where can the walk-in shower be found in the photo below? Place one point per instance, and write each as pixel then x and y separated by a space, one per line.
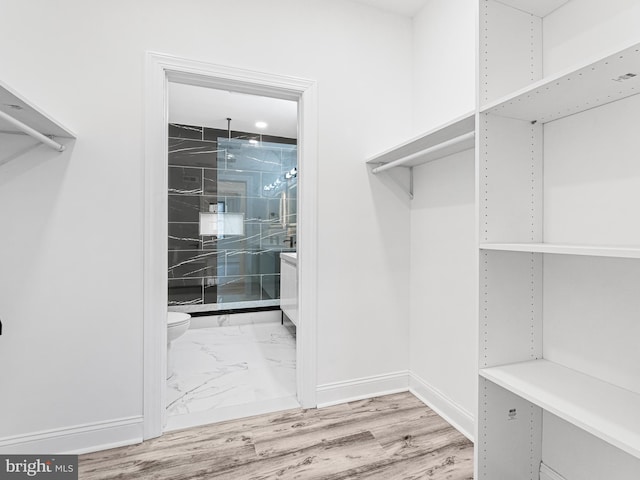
pixel 232 210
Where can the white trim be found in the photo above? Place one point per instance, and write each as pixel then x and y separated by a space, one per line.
pixel 78 439
pixel 307 238
pixel 547 473
pixel 160 69
pixel 231 412
pixel 336 393
pixel 454 414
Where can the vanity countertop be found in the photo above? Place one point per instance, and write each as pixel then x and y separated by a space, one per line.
pixel 289 257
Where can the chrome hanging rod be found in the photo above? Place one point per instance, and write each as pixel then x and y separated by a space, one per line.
pixel 32 132
pixel 401 161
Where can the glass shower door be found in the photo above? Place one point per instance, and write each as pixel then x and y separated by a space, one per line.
pixel 232 210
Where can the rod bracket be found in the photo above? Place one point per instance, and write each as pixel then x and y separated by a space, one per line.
pixel 411 183
pixel 410 189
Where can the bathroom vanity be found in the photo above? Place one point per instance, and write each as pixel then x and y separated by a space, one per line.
pixel 289 285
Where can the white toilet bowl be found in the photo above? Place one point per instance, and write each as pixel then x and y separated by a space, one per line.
pixel 177 325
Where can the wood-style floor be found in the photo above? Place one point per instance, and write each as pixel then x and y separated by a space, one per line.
pixel 391 437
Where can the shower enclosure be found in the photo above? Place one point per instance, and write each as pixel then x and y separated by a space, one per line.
pixel 232 210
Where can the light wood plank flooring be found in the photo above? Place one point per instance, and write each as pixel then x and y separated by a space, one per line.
pixel 390 437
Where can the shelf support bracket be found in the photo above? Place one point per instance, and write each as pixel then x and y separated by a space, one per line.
pixel 403 183
pixel 411 183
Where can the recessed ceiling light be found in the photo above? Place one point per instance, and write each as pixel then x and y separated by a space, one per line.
pixel 261 125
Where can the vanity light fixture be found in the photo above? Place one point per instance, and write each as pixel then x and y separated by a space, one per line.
pixel 293 173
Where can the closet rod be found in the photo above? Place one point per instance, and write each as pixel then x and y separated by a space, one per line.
pixel 401 161
pixel 31 132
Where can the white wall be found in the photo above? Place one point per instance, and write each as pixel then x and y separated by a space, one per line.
pixel 443 286
pixel 444 62
pixel 71 248
pixel 443 238
pixel 583 29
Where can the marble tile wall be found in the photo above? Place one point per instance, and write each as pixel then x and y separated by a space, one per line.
pixel 244 174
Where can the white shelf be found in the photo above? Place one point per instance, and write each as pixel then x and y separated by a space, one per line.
pixel 449 131
pixel 604 410
pixel 539 8
pixel 591 85
pixel 25 112
pixel 595 251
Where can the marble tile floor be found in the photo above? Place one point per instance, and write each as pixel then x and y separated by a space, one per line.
pixel 233 371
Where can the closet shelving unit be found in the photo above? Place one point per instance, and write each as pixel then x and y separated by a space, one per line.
pixel 19 116
pixel 452 137
pixel 542 366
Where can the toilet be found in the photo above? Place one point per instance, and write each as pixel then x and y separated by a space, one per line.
pixel 177 325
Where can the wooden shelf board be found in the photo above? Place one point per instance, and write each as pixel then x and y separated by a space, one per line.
pixel 610 413
pixel 28 114
pixel 579 89
pixel 562 249
pixel 448 131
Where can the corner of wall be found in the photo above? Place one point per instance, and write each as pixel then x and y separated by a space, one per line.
pixel 452 412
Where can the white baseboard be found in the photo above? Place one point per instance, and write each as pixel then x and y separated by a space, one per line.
pixel 361 388
pixel 547 473
pixel 454 414
pixel 377 385
pixel 128 431
pixel 235 319
pixel 90 437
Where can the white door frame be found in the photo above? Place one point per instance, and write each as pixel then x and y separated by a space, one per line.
pixel 160 69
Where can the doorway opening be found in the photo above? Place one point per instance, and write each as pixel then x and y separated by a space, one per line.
pixel 162 72
pixel 232 210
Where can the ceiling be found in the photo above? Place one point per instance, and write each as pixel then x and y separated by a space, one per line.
pixel 209 107
pixel 402 7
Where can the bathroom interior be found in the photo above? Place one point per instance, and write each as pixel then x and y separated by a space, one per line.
pixel 232 210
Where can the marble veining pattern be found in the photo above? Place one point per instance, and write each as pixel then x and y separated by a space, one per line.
pixel 231 365
pixel 210 168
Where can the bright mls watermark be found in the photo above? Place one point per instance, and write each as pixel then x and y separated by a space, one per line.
pixel 50 467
